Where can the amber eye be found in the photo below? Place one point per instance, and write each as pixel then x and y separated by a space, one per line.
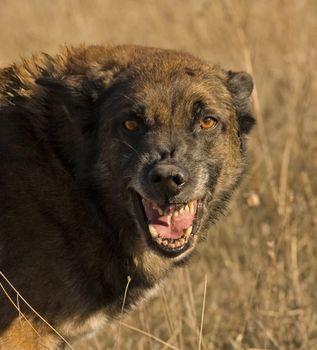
pixel 131 125
pixel 208 122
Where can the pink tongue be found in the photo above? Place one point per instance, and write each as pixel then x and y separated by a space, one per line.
pixel 168 226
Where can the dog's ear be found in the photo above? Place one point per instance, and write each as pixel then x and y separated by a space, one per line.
pixel 88 86
pixel 70 102
pixel 240 85
pixel 66 118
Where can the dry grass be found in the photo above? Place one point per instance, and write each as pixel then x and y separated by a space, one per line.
pixel 260 289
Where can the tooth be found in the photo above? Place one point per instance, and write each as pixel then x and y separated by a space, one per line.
pixel 153 231
pixel 165 242
pixel 175 214
pixel 188 231
pixel 159 240
pixel 187 208
pixel 191 208
pixel 181 210
pixel 160 211
pixel 182 241
pixel 172 245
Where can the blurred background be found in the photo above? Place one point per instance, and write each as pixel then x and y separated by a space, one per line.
pixel 253 285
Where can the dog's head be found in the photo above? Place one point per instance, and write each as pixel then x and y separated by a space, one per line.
pixel 166 147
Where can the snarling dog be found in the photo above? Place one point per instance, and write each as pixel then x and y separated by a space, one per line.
pixel 115 162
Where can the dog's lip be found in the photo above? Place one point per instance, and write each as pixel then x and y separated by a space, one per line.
pixel 173 245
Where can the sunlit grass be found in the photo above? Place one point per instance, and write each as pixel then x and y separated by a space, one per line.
pixel 260 259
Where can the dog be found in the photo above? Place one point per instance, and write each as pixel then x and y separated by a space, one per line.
pixel 115 163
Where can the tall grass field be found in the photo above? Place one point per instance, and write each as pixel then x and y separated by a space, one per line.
pixel 253 284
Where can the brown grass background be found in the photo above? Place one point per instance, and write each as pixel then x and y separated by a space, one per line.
pixel 255 280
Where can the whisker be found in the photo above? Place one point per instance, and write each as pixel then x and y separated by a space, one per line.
pixel 131 147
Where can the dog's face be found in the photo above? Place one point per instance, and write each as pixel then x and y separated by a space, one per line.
pixel 166 146
pixel 171 151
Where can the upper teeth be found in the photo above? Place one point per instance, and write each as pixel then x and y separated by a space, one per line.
pixel 190 207
pixel 160 211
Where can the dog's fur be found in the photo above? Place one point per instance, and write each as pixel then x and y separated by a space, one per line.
pixel 70 237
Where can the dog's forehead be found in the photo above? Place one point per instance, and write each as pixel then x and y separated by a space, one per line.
pixel 167 94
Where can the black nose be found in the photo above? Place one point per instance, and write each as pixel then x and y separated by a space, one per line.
pixel 168 178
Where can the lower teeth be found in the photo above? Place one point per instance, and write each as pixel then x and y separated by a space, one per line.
pixel 169 242
pixel 173 243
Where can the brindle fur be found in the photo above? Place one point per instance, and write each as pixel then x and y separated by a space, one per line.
pixel 69 235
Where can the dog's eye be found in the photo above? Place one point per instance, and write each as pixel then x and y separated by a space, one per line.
pixel 208 122
pixel 131 125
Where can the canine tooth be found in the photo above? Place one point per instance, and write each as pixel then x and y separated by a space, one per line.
pixel 191 208
pixel 153 231
pixel 160 211
pixel 187 208
pixel 188 231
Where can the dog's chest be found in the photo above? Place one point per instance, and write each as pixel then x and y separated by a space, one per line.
pixel 74 328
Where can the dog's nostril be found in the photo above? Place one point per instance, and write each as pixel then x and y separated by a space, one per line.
pixel 155 177
pixel 179 179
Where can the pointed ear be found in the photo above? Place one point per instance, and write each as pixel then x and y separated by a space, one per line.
pixel 67 118
pixel 77 94
pixel 70 101
pixel 89 86
pixel 240 85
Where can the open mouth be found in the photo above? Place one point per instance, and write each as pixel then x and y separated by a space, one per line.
pixel 172 229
